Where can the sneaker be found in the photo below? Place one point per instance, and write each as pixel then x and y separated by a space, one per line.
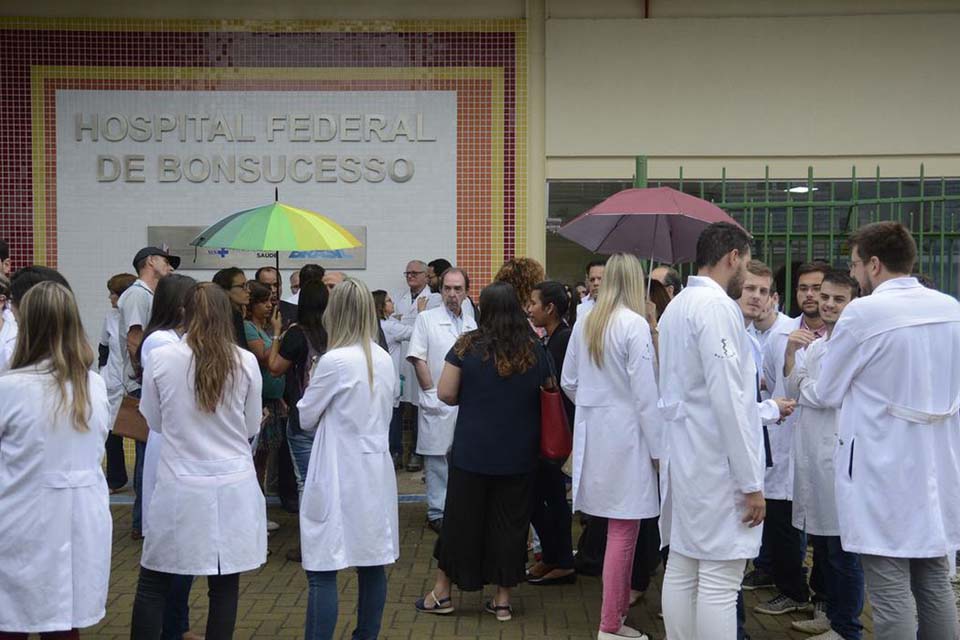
pixel 757 579
pixel 814 625
pixel 781 604
pixel 272 526
pixel 623 632
pixel 829 635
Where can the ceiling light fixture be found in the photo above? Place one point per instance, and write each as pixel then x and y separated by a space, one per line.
pixel 802 189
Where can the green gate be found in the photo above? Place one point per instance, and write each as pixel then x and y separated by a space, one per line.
pixel 796 221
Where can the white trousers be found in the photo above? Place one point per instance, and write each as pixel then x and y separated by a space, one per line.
pixel 700 598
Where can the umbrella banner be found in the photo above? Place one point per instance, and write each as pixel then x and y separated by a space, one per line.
pixel 176 239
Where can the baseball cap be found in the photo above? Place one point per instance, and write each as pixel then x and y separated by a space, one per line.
pixel 146 252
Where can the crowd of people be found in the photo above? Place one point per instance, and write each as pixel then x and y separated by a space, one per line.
pixel 711 432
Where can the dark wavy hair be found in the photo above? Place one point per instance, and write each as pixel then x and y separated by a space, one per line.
pixel 503 332
pixel 314 296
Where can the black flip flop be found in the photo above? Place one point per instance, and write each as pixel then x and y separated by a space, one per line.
pixel 503 611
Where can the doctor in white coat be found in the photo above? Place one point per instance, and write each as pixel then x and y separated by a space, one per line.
pixel 409 302
pixel 783 544
pixel 207 513
pixel 434 334
pixel 892 367
pixel 348 516
pixel 712 478
pixel 609 373
pixel 56 527
pixel 815 441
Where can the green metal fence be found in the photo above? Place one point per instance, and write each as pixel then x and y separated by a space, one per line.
pixel 809 218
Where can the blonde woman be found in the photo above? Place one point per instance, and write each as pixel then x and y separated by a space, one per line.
pixel 348 514
pixel 207 514
pixel 56 527
pixel 609 374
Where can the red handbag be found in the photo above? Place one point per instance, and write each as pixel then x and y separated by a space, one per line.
pixel 556 439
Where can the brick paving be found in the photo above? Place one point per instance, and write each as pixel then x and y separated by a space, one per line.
pixel 273 599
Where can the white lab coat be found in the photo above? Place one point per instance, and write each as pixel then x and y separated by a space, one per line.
pixel 56 527
pixel 434 334
pixel 112 372
pixel 893 368
pixel 396 334
pixel 348 514
pixel 778 481
pixel 617 433
pixel 814 445
pixel 207 514
pixel 151 456
pixel 406 311
pixel 8 338
pixel 714 440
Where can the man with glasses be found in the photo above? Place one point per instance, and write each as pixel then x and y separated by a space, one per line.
pixel 408 303
pixel 782 543
pixel 134 307
pixel 890 367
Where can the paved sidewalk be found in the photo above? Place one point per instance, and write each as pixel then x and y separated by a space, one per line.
pixel 273 599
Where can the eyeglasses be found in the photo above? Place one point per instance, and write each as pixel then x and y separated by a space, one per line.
pixel 408 274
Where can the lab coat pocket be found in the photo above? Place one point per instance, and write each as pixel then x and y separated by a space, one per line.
pixel 316 502
pixel 374 443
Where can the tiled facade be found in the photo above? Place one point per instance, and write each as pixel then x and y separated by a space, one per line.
pixel 483 61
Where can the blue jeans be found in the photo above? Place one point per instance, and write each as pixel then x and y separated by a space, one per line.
pixel 322 603
pixel 176 613
pixel 396 432
pixel 301 444
pixel 742 616
pixel 436 471
pixel 843 576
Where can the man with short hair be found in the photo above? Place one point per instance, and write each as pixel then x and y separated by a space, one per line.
pixel 595 269
pixel 134 308
pixel 781 540
pixel 21 282
pixel 669 278
pixel 435 269
pixel 5 262
pixel 814 504
pixel 294 283
pixel 408 303
pixel 712 477
pixel 434 334
pixel 270 277
pixel 332 278
pixel 891 369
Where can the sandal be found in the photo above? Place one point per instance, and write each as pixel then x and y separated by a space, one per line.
pixel 441 606
pixel 503 611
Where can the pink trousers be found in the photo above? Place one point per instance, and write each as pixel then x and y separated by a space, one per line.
pixel 617 568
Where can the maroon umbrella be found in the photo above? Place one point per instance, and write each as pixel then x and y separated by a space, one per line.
pixel 660 222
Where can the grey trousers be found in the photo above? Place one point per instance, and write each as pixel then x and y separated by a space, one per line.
pixel 900 588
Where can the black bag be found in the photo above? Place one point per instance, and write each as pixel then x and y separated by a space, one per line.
pixel 591 546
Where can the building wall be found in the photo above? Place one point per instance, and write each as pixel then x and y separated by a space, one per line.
pixel 835 91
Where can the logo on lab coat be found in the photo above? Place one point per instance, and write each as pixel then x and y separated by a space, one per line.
pixel 728 352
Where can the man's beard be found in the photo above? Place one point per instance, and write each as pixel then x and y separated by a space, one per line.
pixel 806 314
pixel 735 286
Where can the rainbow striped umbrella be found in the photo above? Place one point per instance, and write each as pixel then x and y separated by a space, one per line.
pixel 276 227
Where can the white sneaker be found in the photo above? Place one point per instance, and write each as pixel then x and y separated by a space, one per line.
pixel 814 625
pixel 829 635
pixel 623 632
pixel 272 526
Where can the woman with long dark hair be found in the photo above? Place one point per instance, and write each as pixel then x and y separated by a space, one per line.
pixel 494 374
pixel 56 526
pixel 165 327
pixel 207 514
pixel 295 354
pixel 551 516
